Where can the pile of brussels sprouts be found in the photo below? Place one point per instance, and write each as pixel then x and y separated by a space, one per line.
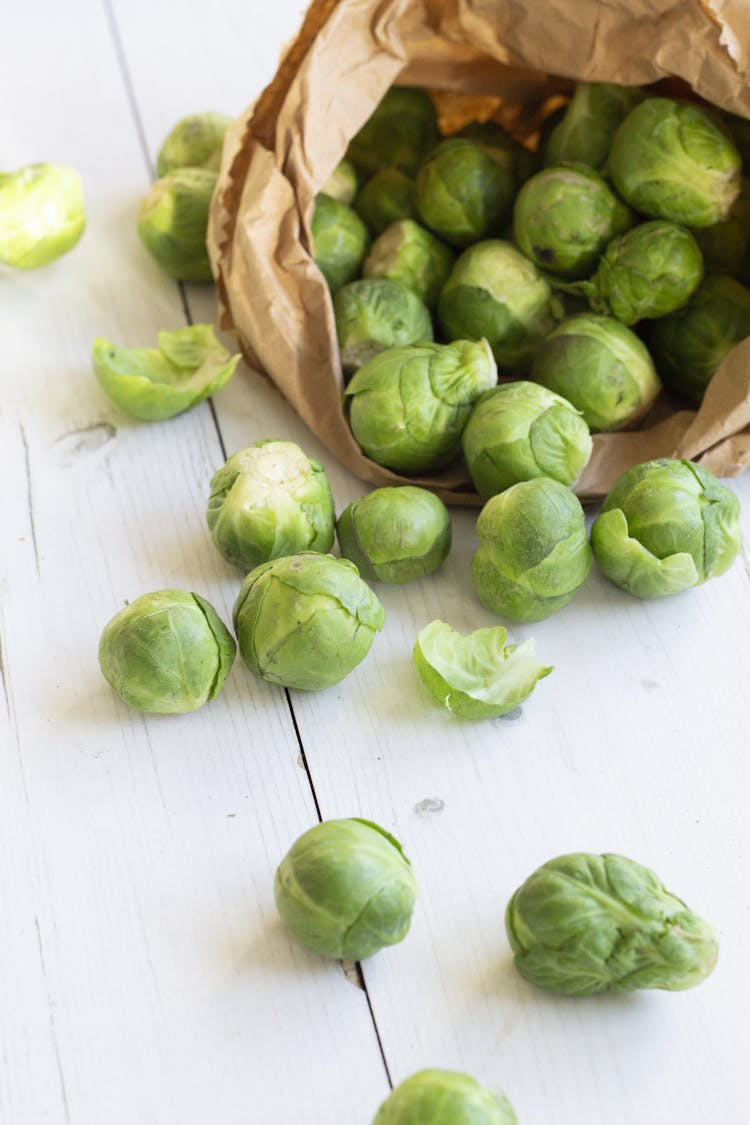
pixel 638 212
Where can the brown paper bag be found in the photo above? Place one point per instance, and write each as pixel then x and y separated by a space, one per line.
pixel 346 55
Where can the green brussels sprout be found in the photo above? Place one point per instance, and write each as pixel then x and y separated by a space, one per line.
pixel 374 315
pixel 402 129
pixel 584 923
pixel 195 142
pixel 305 621
pixel 496 293
pixel 521 161
pixel 342 183
pixel 518 431
pixel 666 526
pixel 739 129
pixel 477 675
pixel 395 534
pixel 345 889
pixel 166 652
pixel 648 272
pixel 156 383
pixel 173 221
pixel 340 241
pixel 408 253
pixel 533 552
pixel 388 196
pixel 585 131
pixel 464 191
pixel 601 367
pixel 689 345
pixel 564 217
pixel 42 214
pixel 725 245
pixel 674 161
pixel 444 1097
pixel 408 406
pixel 267 501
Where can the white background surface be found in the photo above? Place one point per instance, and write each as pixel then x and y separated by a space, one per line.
pixel 143 973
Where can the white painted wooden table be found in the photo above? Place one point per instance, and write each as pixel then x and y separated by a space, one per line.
pixel 144 977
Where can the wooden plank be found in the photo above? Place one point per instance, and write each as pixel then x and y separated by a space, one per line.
pixel 144 973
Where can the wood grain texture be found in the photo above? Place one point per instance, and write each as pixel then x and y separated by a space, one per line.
pixel 144 972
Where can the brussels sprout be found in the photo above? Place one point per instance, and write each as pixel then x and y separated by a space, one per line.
pixel 342 184
pixel 340 241
pixel 725 245
pixel 156 383
pixel 648 272
pixel 739 129
pixel 374 315
pixel 395 534
pixel 41 214
pixel 673 161
pixel 408 406
pixel 565 216
pixel 585 923
pixel 195 142
pixel 305 621
pixel 399 133
pixel 388 196
pixel 689 345
pixel 267 501
pixel 518 431
pixel 496 293
pixel 464 191
pixel 408 253
pixel 584 133
pixel 666 526
pixel 521 161
pixel 166 652
pixel 346 889
pixel 476 676
pixel 444 1097
pixel 173 221
pixel 533 552
pixel 601 367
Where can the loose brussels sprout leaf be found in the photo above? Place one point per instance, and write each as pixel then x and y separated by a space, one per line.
pixel 386 198
pixel 156 383
pixel 376 314
pixel 346 889
pixel 408 406
pixel 342 184
pixel 648 272
pixel 518 431
pixel 464 191
pixel 340 241
pixel 689 345
pixel 666 526
pixel 601 367
pixel 520 160
pixel 305 621
pixel 495 293
pixel 395 534
pixel 399 133
pixel 166 652
pixel 42 214
pixel 173 221
pixel 444 1097
pixel 477 675
pixel 195 142
pixel 267 501
pixel 584 133
pixel 673 161
pixel 408 253
pixel 583 923
pixel 564 217
pixel 533 552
